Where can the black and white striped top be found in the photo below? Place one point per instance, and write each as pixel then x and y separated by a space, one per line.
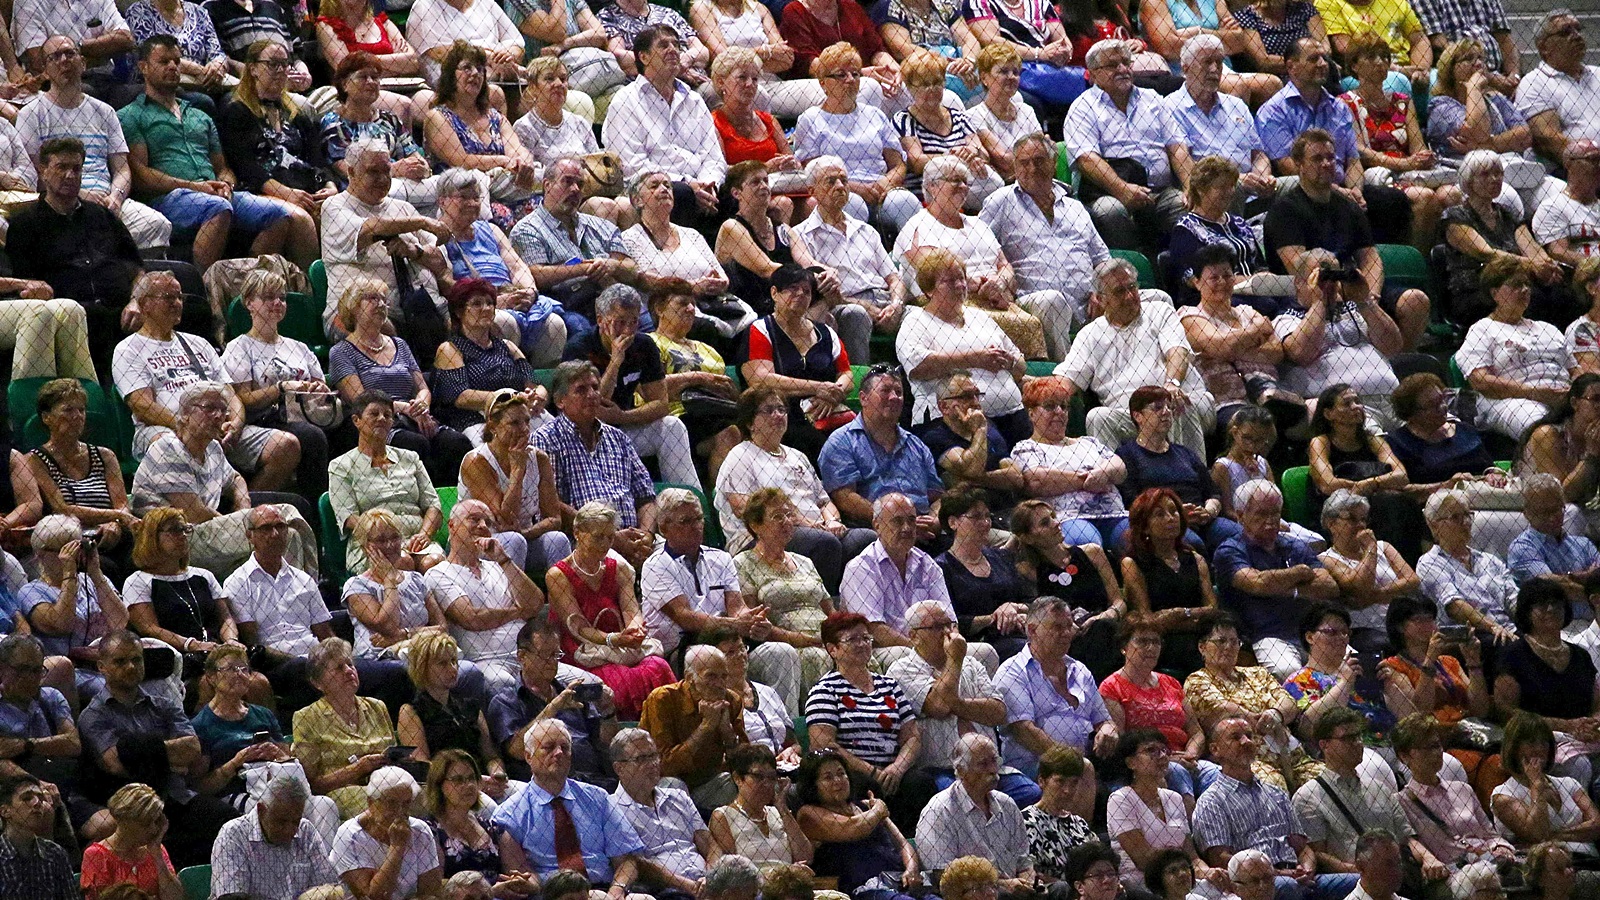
pixel 91 490
pixel 868 725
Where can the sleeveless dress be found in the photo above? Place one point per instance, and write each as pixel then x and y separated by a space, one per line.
pixel 747 285
pixel 1386 131
pixel 529 511
pixel 347 35
pixel 92 490
pixel 630 684
pixel 1180 650
pixel 765 850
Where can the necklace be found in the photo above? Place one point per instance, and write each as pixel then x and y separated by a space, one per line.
pixel 382 345
pixel 1537 644
pixel 585 572
pixel 190 601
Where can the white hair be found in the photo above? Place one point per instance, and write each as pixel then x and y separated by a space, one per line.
pixel 922 610
pixel 1102 49
pixel 618 296
pixel 285 789
pixel 465 884
pixel 1342 502
pixel 627 736
pixel 194 393
pixel 968 747
pixel 821 164
pixel 700 656
pixel 945 167
pixel 1541 481
pixel 1478 161
pixel 387 779
pixel 54 532
pixel 1104 271
pixel 672 498
pixel 1254 489
pixel 1199 44
pixel 361 147
pixel 882 503
pixel 530 738
pixel 1433 510
pixel 1238 861
pixel 731 873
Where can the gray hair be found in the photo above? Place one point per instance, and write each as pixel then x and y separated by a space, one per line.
pixel 530 738
pixel 1542 481
pixel 1035 137
pixel 919 612
pixel 1197 45
pixel 1343 502
pixel 637 182
pixel 363 146
pixel 1478 161
pixel 285 789
pixel 454 181
pixel 14 644
pixel 1254 489
pixel 821 164
pixel 1104 271
pixel 945 167
pixel 194 393
pixel 627 736
pixel 1102 49
pixel 594 513
pixel 54 532
pixel 389 778
pixel 948 384
pixel 701 655
pixel 1433 510
pixel 618 296
pixel 731 873
pixel 1374 837
pixel 968 747
pixel 1548 23
pixel 145 284
pixel 1045 607
pixel 466 884
pixel 882 503
pixel 327 652
pixel 569 372
pixel 1238 861
pixel 672 498
pixel 561 159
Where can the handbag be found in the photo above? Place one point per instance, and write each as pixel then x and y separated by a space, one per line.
pixel 1130 170
pixel 592 656
pixel 1481 495
pixel 322 409
pixel 1478 735
pixel 423 327
pixel 593 70
pixel 709 406
pixel 1360 470
pixel 602 174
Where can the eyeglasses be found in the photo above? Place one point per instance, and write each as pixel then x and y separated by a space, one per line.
pixel 641 759
pixel 65 53
pixel 211 408
pixel 1334 632
pixel 271 526
pixel 859 640
pixel 274 65
pixel 972 396
pixel 239 669
pixel 774 409
pixel 177 529
pixel 936 626
pixel 846 75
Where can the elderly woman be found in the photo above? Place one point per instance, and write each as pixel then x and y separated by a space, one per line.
pixel 728 25
pixel 368 360
pixel 1209 222
pixel 592 603
pixel 928 129
pixel 1520 367
pixel 969 878
pixel 341 739
pixel 464 131
pixel 389 602
pixel 1436 449
pixel 1152 459
pixel 1473 588
pixel 802 359
pixel 1081 574
pixel 866 718
pixel 1041 41
pixel 1002 112
pixel 1235 346
pixel 1145 818
pixel 476 362
pixel 74 478
pixel 517 481
pixel 384 852
pixel 944 336
pixel 1344 455
pixel 1140 699
pixel 1166 578
pixel 376 475
pixel 1370 573
pixel 70 606
pixel 468 840
pixel 854 839
pixel 861 136
pixel 749 134
pixel 935 27
pixel 787 585
pixel 549 131
pixel 991 282
pixel 189 471
pixel 367 111
pixel 1534 805
pixel 1486 228
pixel 133 854
pixel 1543 674
pixel 669 254
pixel 1466 112
pixel 1078 476
pixel 758 824
pixel 1065 782
pixel 697 385
pixel 442 715
pixel 1224 688
pixel 265 367
pixel 757 239
pixel 270 141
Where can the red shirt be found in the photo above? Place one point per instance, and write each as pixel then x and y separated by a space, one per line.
pixel 737 148
pixel 102 869
pixel 808 36
pixel 347 35
pixel 1160 707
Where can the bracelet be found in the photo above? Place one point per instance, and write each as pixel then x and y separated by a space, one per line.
pixel 188 642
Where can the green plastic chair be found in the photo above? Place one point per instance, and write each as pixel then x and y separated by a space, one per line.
pixel 853 399
pixel 1457 380
pixel 1404 266
pixel 333 542
pixel 317 274
pixel 1041 368
pixel 546 377
pixel 22 400
pixel 125 427
pixel 196 881
pixel 714 535
pixel 801 734
pixel 1066 172
pixel 447 502
pixel 1297 495
pixel 1141 264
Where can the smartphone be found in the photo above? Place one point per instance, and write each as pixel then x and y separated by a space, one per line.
pixel 588 691
pixel 262 737
pixel 396 754
pixel 1456 634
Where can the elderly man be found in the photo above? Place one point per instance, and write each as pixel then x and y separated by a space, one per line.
pixel 969 447
pixel 155 366
pixel 677 843
pixel 868 284
pixel 1269 578
pixel 1319 214
pixel 888 576
pixel 555 234
pixel 66 111
pixel 1239 812
pixel 96 26
pixel 1218 124
pixel 1567 224
pixel 35 721
pixel 364 231
pixel 1252 875
pixel 658 122
pixel 1561 96
pixel 175 154
pixel 280 613
pixel 1304 103
pixel 1052 699
pixel 1137 342
pixel 484 593
pixel 971 817
pixel 596 461
pixel 695 723
pixel 1133 155
pixel 272 852
pixel 1378 860
pixel 732 877
pixel 873 456
pixel 548 691
pixel 952 695
pixel 1049 238
pixel 566 824
pixel 1546 550
pixel 32 865
pixel 634 382
pixel 1479 592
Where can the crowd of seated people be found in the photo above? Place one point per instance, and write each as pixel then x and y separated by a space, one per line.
pixel 804 448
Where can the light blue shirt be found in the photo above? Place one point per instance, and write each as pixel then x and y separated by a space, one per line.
pixel 1534 553
pixel 1095 125
pixel 1030 697
pixel 603 832
pixel 851 458
pixel 1282 118
pixel 1227 131
pixel 1240 816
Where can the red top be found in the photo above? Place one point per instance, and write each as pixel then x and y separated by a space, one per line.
pixel 1160 707
pixel 341 28
pixel 103 868
pixel 1386 131
pixel 808 36
pixel 592 602
pixel 737 148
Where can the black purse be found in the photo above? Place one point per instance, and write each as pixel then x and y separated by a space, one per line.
pixel 422 326
pixel 1130 170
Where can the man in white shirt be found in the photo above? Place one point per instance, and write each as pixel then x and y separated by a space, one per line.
pixel 1136 343
pixel 1378 861
pixel 1218 124
pixel 274 851
pixel 96 26
pixel 1561 96
pixel 1568 223
pixel 657 122
pixel 971 817
pixel 865 287
pixel 280 613
pixel 66 111
pixel 484 593
pixel 676 840
pixel 436 24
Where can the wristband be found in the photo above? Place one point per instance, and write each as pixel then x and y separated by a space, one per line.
pixel 188 642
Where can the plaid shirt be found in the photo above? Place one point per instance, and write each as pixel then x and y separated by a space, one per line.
pixel 44 874
pixel 1458 19
pixel 611 473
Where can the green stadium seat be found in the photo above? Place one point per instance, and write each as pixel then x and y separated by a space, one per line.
pixel 333 543
pixel 1297 496
pixel 303 322
pixel 853 399
pixel 1457 380
pixel 1041 368
pixel 801 734
pixel 196 881
pixel 1066 171
pixel 317 274
pixel 1404 266
pixel 1141 264
pixel 28 431
pixel 546 377
pixel 713 534
pixel 447 502
pixel 124 417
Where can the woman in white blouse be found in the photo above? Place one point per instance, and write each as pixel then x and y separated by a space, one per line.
pixel 1002 112
pixel 549 129
pixel 1145 817
pixel 662 250
pixel 1078 476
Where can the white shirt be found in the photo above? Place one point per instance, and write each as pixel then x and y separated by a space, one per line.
pixel 1023 121
pixel 575 135
pixel 34 21
pixel 1563 217
pixel 666 576
pixel 1116 361
pixel 435 23
pixel 1576 101
pixel 973 243
pixel 167 368
pixel 91 121
pixel 940 736
pixel 486 588
pixel 1530 352
pixel 666 829
pixel 922 334
pixel 247 360
pixel 1125 812
pixel 749 468
pixel 856 254
pixel 1094 124
pixel 858 138
pixel 677 137
pixel 1347 356
pixel 1057 254
pixel 284 606
pixel 692 261
pixel 14 157
pixel 354 848
pixel 342 217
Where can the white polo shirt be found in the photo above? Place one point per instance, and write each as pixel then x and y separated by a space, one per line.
pixel 667 576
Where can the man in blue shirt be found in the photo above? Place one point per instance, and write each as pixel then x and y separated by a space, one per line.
pixel 562 823
pixel 1545 548
pixel 873 456
pixel 1269 579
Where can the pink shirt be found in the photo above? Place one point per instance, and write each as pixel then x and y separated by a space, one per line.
pixel 1160 707
pixel 103 868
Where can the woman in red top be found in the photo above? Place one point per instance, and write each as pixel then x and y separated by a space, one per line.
pixel 350 25
pixel 811 25
pixel 1137 696
pixel 592 599
pixel 133 853
pixel 746 133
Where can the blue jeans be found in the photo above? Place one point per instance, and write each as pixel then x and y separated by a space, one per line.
pixel 1326 887
pixel 1015 785
pixel 1207 538
pixel 1180 779
pixel 1093 531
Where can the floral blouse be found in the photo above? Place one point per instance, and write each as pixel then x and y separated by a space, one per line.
pixel 1386 131
pixel 197 39
pixel 1308 685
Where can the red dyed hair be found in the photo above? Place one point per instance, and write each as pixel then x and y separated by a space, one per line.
pixel 1041 390
pixel 1144 506
pixel 840 622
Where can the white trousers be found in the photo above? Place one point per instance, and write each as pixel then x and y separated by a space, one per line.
pixel 668 441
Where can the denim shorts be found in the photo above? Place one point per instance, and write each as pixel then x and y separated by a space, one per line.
pixel 188 210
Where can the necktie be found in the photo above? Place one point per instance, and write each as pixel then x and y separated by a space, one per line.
pixel 569 851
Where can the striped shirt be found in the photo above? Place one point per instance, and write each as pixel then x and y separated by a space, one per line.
pixel 611 473
pixel 867 725
pixel 91 121
pixel 1239 816
pixel 238 28
pixel 169 469
pixel 933 143
pixel 394 379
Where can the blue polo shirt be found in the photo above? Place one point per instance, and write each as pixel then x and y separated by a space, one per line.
pixel 1263 617
pixel 851 458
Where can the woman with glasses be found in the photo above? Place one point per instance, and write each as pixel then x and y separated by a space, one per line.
pixel 802 359
pixel 1333 677
pixel 271 143
pixel 548 130
pixel 1428 674
pixel 1092 872
pixel 1520 367
pixel 1165 577
pixel 758 825
pixel 70 570
pixel 1437 450
pixel 367 111
pixel 341 739
pixel 767 719
pixel 983 580
pixel 788 585
pixel 1467 112
pixel 469 841
pixel 385 841
pixel 929 129
pixel 1077 476
pixel 389 602
pixel 464 131
pixel 854 840
pixel 1145 817
pixel 1370 573
pixel 1445 813
pixel 1566 444
pixel 1141 699
pixel 1473 588
pixel 1534 805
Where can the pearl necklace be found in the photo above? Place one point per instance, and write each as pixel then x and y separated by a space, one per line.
pixel 585 572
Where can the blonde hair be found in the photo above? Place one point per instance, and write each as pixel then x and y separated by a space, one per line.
pixel 146 538
pixel 1445 84
pixel 1207 174
pixel 138 803
pixel 932 263
pixel 592 514
pixel 261 281
pixel 545 65
pixel 833 58
pixel 922 68
pixel 732 59
pixel 424 651
pixel 345 314
pixel 996 55
pixel 965 875
pixel 371 519
pixel 245 91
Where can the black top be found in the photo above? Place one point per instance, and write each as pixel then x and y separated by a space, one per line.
pixel 238 29
pixel 1546 692
pixel 1430 463
pixel 1168 589
pixel 1336 458
pixel 1178 468
pixel 747 285
pixel 87 255
pixel 1079 583
pixel 1295 220
pixel 859 863
pixel 641 365
pixel 483 369
pixel 293 156
pixel 185 607
pixel 452 725
pixel 941 439
pixel 1464 269
pixel 973 596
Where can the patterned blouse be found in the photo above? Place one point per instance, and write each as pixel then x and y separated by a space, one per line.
pixel 1386 131
pixel 197 40
pixel 1278 39
pixel 1051 838
pixel 1308 685
pixel 931 29
pixel 484 369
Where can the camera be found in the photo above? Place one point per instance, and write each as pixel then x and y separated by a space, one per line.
pixel 89 540
pixel 1456 634
pixel 588 691
pixel 1341 274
